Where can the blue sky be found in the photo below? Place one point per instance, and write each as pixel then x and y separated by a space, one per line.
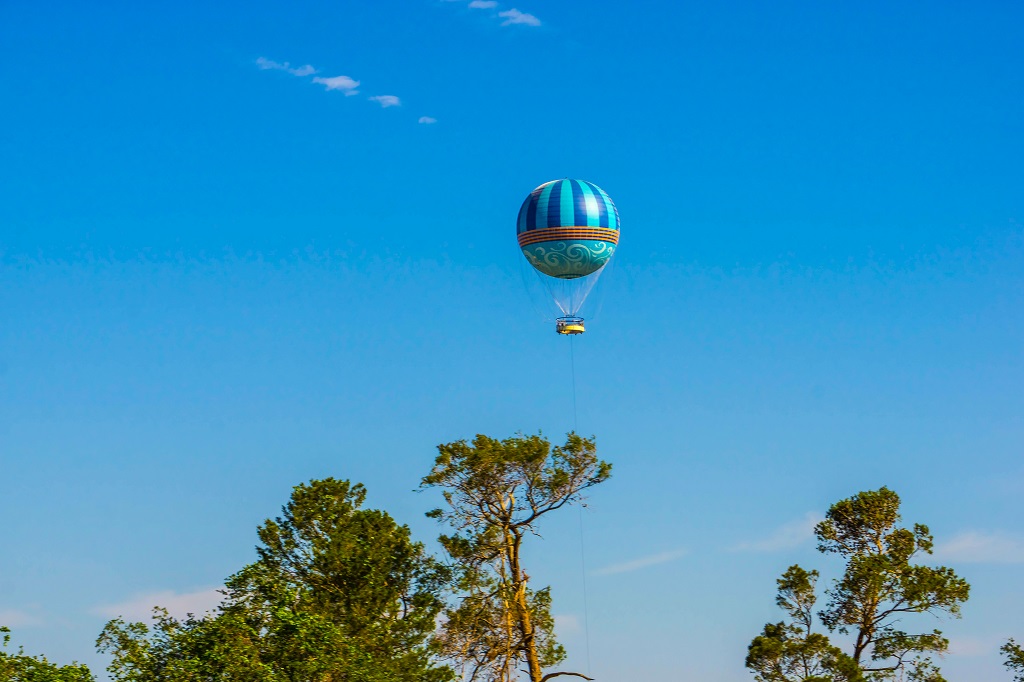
pixel 220 277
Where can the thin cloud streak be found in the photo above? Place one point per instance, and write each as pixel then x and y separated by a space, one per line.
pixel 566 623
pixel 345 84
pixel 974 646
pixel 19 619
pixel 787 536
pixel 270 65
pixel 981 548
pixel 511 17
pixel 177 604
pixel 514 16
pixel 427 119
pixel 642 562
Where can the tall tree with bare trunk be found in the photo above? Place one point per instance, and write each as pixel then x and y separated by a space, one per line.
pixel 496 491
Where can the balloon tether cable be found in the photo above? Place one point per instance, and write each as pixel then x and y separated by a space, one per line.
pixel 572 363
pixel 583 554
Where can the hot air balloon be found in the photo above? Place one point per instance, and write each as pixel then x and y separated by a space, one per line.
pixel 568 230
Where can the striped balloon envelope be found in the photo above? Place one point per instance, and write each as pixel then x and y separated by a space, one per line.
pixel 568 228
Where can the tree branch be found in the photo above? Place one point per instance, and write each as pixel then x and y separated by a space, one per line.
pixel 550 675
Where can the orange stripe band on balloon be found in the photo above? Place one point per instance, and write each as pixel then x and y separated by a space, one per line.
pixel 564 234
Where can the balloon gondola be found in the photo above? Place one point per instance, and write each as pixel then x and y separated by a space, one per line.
pixel 568 230
pixel 569 324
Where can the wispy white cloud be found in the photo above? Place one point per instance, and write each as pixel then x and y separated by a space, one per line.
pixel 14 618
pixel 787 536
pixel 177 604
pixel 974 646
pixel 343 83
pixel 566 623
pixel 510 17
pixel 514 16
pixel 386 101
pixel 427 119
pixel 981 548
pixel 642 562
pixel 269 64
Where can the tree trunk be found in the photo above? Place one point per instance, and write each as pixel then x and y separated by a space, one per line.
pixel 532 660
pixel 513 542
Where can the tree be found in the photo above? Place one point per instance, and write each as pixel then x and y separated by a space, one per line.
pixel 355 567
pixel 1014 659
pixel 791 650
pixel 339 594
pixel 236 645
pixel 20 667
pixel 879 587
pixel 496 492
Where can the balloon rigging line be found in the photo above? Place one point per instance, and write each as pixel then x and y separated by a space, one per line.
pixel 572 363
pixel 583 554
pixel 583 571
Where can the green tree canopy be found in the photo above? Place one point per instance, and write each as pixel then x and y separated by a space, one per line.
pixel 790 650
pixel 339 594
pixel 496 492
pixel 1014 659
pixel 880 587
pixel 20 667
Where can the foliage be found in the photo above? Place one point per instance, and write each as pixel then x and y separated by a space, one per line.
pixel 235 646
pixel 355 567
pixel 19 667
pixel 339 594
pixel 879 587
pixel 496 491
pixel 1014 659
pixel 790 650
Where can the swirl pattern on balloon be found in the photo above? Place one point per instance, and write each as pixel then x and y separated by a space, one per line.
pixel 569 259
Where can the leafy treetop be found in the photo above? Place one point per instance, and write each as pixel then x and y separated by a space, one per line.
pixel 879 588
pixel 20 667
pixel 496 491
pixel 339 594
